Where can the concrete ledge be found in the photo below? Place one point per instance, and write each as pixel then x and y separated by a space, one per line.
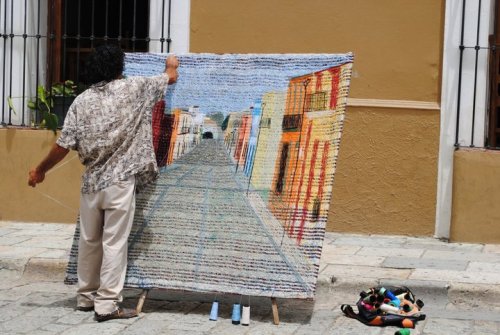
pixel 474 295
pixel 457 293
pixel 45 269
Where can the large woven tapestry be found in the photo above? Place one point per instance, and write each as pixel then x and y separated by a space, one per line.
pixel 247 146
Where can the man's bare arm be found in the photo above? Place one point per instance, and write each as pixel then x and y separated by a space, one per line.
pixel 56 154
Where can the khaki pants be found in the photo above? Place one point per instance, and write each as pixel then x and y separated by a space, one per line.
pixel 105 221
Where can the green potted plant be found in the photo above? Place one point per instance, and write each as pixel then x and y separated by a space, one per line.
pixel 62 95
pixel 52 104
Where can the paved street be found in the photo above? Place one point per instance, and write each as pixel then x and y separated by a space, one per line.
pixel 33 306
pixel 459 284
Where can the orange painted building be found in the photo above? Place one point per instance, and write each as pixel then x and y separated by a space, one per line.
pixel 173 129
pixel 173 134
pixel 306 157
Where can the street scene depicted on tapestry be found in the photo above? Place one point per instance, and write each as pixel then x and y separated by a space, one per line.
pixel 247 147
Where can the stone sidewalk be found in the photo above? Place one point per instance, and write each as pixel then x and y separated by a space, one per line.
pixel 459 283
pixel 349 261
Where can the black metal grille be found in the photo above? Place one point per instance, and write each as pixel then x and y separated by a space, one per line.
pixel 59 41
pixel 316 102
pixel 494 113
pixel 474 51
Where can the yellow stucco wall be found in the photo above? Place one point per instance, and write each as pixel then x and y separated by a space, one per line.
pixel 396 44
pixel 386 174
pixel 56 199
pixel 476 193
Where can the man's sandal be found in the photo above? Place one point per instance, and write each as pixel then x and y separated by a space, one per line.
pixel 120 313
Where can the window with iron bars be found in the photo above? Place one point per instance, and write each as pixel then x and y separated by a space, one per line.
pixel 493 140
pixel 316 102
pixel 475 73
pixel 291 122
pixel 44 43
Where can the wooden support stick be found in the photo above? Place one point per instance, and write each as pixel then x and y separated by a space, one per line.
pixel 276 317
pixel 142 298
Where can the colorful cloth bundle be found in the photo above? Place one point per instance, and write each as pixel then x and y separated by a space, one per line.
pixel 387 306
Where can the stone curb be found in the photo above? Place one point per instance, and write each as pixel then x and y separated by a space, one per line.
pixel 50 269
pixel 360 284
pixel 457 293
pixel 45 269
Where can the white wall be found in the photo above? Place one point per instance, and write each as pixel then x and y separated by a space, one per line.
pixel 449 95
pixel 179 29
pixel 16 61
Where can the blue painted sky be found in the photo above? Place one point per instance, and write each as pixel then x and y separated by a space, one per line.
pixel 230 82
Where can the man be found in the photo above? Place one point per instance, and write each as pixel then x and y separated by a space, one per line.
pixel 110 126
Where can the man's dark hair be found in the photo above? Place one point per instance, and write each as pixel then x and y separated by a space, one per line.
pixel 106 63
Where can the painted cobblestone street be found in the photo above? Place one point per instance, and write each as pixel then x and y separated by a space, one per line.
pixel 199 229
pixel 459 283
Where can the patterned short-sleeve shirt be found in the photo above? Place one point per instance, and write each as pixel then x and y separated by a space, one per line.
pixel 110 126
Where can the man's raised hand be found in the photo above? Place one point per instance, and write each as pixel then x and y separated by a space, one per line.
pixel 171 65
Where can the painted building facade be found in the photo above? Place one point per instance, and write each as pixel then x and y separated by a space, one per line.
pixel 254 136
pixel 273 107
pixel 184 133
pixel 231 132
pixel 305 163
pixel 197 127
pixel 242 139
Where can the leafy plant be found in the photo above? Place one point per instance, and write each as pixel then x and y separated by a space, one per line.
pixel 67 89
pixel 11 105
pixel 44 103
